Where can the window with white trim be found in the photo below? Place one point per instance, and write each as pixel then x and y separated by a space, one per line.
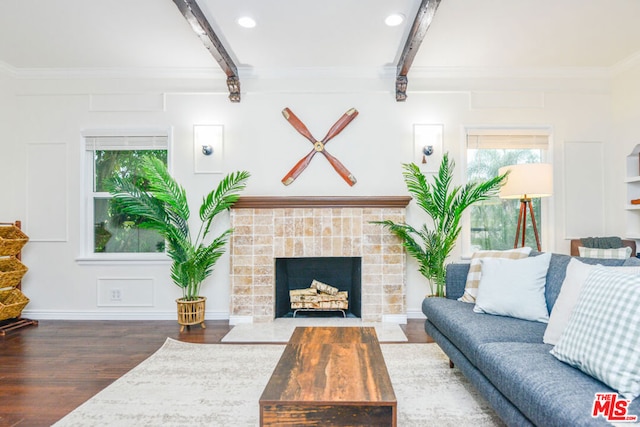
pixel 109 231
pixel 492 223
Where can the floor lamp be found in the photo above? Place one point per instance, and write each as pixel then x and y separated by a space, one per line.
pixel 526 181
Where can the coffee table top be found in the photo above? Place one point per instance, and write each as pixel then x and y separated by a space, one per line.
pixel 331 365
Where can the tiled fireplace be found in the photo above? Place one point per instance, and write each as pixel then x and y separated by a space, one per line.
pixel 266 228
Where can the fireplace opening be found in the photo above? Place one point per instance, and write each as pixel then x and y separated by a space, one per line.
pixel 343 273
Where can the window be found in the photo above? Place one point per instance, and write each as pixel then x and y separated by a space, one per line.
pixel 492 223
pixel 109 230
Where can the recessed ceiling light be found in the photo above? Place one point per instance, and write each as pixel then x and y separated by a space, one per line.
pixel 246 22
pixel 394 19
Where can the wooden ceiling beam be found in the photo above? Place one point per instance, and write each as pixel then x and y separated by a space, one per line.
pixel 200 25
pixel 421 24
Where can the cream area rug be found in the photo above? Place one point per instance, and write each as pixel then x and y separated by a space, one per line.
pixel 185 384
pixel 280 330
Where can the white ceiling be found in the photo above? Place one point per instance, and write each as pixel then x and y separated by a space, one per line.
pixel 327 34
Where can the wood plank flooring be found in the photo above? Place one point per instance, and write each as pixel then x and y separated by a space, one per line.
pixel 48 370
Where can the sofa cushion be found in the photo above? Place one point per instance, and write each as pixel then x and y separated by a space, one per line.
pixel 558 268
pixel 619 253
pixel 602 337
pixel 577 273
pixel 456 279
pixel 468 330
pixel 547 391
pixel 514 288
pixel 475 269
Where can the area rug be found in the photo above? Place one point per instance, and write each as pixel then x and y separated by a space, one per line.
pixel 280 330
pixel 185 384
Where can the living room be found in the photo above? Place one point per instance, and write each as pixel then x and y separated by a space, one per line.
pixel 80 70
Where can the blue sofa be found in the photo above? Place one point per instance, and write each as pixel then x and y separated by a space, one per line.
pixel 506 360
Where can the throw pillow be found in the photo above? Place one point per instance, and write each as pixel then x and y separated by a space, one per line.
pixel 514 288
pixel 577 273
pixel 602 337
pixel 475 269
pixel 617 253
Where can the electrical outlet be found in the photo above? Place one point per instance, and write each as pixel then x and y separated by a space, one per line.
pixel 116 295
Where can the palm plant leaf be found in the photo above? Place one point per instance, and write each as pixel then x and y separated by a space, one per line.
pixel 135 200
pixel 222 198
pixel 444 204
pixel 405 232
pixel 162 202
pixel 165 189
pixel 418 187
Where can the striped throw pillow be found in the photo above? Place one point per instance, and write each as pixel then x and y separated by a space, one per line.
pixel 602 337
pixel 617 253
pixel 475 269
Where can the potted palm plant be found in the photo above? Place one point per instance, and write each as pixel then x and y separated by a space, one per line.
pixel 157 198
pixel 431 244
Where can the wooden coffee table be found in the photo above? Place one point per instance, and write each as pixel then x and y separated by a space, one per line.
pixel 330 376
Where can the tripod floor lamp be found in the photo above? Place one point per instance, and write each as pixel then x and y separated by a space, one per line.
pixel 527 181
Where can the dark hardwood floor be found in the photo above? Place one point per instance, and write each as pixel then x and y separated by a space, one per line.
pixel 48 370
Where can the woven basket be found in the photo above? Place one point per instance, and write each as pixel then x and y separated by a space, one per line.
pixel 11 272
pixel 12 302
pixel 191 312
pixel 11 240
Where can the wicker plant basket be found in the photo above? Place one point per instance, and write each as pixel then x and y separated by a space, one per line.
pixel 12 302
pixel 11 240
pixel 191 312
pixel 11 272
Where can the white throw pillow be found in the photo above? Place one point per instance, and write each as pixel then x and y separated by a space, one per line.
pixel 617 253
pixel 577 273
pixel 475 269
pixel 602 337
pixel 514 288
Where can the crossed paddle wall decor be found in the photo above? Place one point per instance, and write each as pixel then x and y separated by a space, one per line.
pixel 318 146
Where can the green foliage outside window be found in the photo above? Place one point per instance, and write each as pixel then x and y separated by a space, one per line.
pixel 114 230
pixel 494 221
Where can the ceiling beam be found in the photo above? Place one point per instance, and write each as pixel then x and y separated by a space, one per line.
pixel 421 24
pixel 200 25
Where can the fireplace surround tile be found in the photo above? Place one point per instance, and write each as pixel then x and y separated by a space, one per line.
pixel 268 228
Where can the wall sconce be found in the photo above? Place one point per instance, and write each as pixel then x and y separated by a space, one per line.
pixel 428 141
pixel 208 148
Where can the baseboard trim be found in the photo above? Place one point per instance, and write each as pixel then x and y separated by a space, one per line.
pixel 400 319
pixel 101 315
pixel 236 320
pixel 415 314
pixel 171 315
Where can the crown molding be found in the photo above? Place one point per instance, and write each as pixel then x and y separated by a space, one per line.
pixel 317 72
pixel 112 73
pixel 626 64
pixel 509 72
pixel 358 73
pixel 8 69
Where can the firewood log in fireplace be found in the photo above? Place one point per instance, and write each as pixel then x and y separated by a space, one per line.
pixel 324 288
pixel 319 296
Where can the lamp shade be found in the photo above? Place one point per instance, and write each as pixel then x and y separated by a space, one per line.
pixel 527 180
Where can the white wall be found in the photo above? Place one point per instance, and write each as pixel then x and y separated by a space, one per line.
pixel 626 133
pixel 258 139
